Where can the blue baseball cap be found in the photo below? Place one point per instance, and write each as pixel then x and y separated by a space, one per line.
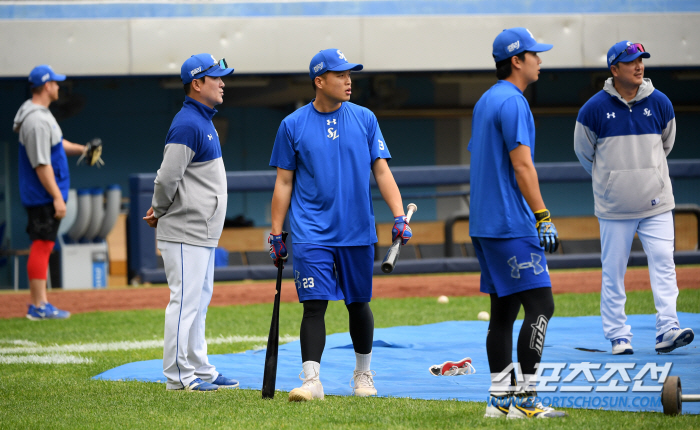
pixel 43 74
pixel 200 65
pixel 513 41
pixel 330 60
pixel 631 52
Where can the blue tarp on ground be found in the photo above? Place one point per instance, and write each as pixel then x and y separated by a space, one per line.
pixel 402 355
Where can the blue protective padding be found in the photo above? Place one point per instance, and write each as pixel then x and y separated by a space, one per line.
pixel 103 10
pixel 402 355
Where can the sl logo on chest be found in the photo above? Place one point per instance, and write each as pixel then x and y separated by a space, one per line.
pixel 332 132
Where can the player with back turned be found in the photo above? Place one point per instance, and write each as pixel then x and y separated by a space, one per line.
pixel 507 214
pixel 324 153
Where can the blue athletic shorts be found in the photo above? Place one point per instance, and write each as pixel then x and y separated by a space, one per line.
pixel 509 266
pixel 333 273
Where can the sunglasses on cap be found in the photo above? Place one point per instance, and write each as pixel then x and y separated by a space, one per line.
pixel 222 64
pixel 630 50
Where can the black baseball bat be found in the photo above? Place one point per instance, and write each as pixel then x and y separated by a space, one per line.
pixel 273 339
pixel 392 255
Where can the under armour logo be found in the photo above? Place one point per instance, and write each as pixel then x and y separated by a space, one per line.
pixel 534 264
pixel 297 282
pixel 611 115
pixel 647 112
pixel 209 136
pixel 330 121
pixel 341 55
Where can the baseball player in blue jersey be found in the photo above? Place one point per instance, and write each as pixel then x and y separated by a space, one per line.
pixel 510 226
pixel 188 211
pixel 44 181
pixel 324 153
pixel 622 137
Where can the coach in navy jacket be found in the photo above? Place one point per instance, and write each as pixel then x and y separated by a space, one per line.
pixel 622 138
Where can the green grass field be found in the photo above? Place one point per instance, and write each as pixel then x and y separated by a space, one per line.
pixel 65 396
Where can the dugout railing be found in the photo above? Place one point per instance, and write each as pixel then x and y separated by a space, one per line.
pixel 141 244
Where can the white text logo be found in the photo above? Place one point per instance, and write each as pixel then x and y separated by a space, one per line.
pixel 195 71
pixel 647 112
pixel 381 144
pixel 45 77
pixel 318 67
pixel 209 136
pixel 332 134
pixel 341 55
pixel 513 46
pixel 611 115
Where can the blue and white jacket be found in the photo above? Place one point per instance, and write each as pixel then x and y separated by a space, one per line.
pixel 190 193
pixel 624 145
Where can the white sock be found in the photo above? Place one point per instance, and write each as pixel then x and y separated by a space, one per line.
pixel 500 388
pixel 362 362
pixel 311 369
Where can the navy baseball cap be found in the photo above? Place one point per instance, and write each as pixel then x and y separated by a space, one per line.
pixel 625 52
pixel 200 65
pixel 513 41
pixel 43 74
pixel 330 60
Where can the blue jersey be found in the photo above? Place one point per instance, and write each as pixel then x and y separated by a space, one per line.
pixel 331 155
pixel 502 120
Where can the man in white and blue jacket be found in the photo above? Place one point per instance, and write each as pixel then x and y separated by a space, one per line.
pixel 188 211
pixel 622 138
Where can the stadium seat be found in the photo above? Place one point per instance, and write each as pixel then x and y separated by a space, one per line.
pixel 583 246
pixel 469 248
pixel 408 252
pixel 258 257
pixel 438 250
pixel 235 258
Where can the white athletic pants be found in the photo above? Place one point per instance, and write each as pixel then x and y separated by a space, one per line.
pixel 656 234
pixel 190 273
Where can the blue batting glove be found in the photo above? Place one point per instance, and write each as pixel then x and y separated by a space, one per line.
pixel 549 238
pixel 401 229
pixel 278 250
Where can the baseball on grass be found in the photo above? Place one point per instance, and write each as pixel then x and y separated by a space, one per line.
pixel 483 316
pixel 443 299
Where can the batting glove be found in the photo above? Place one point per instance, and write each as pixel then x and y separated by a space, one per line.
pixel 549 238
pixel 278 250
pixel 401 229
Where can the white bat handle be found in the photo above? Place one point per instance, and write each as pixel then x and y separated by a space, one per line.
pixel 411 208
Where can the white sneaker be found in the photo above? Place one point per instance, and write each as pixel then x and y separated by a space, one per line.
pixel 497 406
pixel 674 338
pixel 309 390
pixel 621 346
pixel 362 384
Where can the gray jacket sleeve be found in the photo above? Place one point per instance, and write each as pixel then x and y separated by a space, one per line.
pixel 176 158
pixel 35 135
pixel 668 137
pixel 584 146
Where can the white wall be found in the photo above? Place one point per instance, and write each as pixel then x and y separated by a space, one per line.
pixel 158 46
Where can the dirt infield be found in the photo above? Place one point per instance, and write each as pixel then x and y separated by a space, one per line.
pixel 14 304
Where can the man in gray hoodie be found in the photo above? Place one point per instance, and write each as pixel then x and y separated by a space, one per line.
pixel 43 182
pixel 622 138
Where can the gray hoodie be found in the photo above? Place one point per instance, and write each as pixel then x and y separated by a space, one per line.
pixel 38 132
pixel 624 145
